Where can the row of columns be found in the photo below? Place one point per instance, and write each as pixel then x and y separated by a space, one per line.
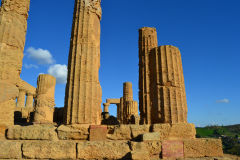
pixel 22 99
pixel 127 108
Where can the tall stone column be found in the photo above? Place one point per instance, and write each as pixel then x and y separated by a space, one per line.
pixel 13 26
pixel 147 41
pixel 167 86
pixel 83 90
pixel 44 102
pixel 127 91
pixel 21 98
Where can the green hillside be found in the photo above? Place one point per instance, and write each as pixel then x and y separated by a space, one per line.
pixel 230 136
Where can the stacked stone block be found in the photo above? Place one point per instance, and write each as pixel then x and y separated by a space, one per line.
pixel 83 90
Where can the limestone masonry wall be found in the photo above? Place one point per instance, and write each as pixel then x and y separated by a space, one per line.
pixel 72 142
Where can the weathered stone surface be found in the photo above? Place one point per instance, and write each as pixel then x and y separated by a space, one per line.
pixel 172 149
pixel 175 131
pixel 182 131
pixel 203 148
pixel 8 91
pixel 168 94
pixel 122 132
pixel 139 155
pixel 8 95
pixel 83 90
pixel 137 130
pixel 73 132
pixel 153 148
pixel 102 150
pixel 21 98
pixel 7 112
pixel 147 41
pixel 35 132
pixel 162 97
pixel 210 158
pixel 113 101
pixel 163 129
pixel 49 150
pixel 45 100
pixel 98 133
pixel 2 131
pixel 13 26
pixel 10 149
pixel 128 107
pixel 151 136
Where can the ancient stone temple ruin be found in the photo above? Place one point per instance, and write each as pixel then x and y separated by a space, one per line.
pixel 31 128
pixel 127 108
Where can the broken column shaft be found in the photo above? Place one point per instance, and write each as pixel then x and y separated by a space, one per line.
pixel 168 94
pixel 44 102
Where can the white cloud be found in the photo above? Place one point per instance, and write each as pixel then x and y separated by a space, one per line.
pixel 223 100
pixel 59 72
pixel 28 66
pixel 39 55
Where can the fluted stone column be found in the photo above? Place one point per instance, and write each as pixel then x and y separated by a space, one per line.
pixel 127 91
pixel 21 98
pixel 29 101
pixel 129 106
pixel 13 26
pixel 147 41
pixel 83 90
pixel 44 102
pixel 167 86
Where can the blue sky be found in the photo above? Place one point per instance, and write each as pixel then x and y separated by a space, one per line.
pixel 206 31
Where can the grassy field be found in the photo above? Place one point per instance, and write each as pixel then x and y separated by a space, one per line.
pixel 230 136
